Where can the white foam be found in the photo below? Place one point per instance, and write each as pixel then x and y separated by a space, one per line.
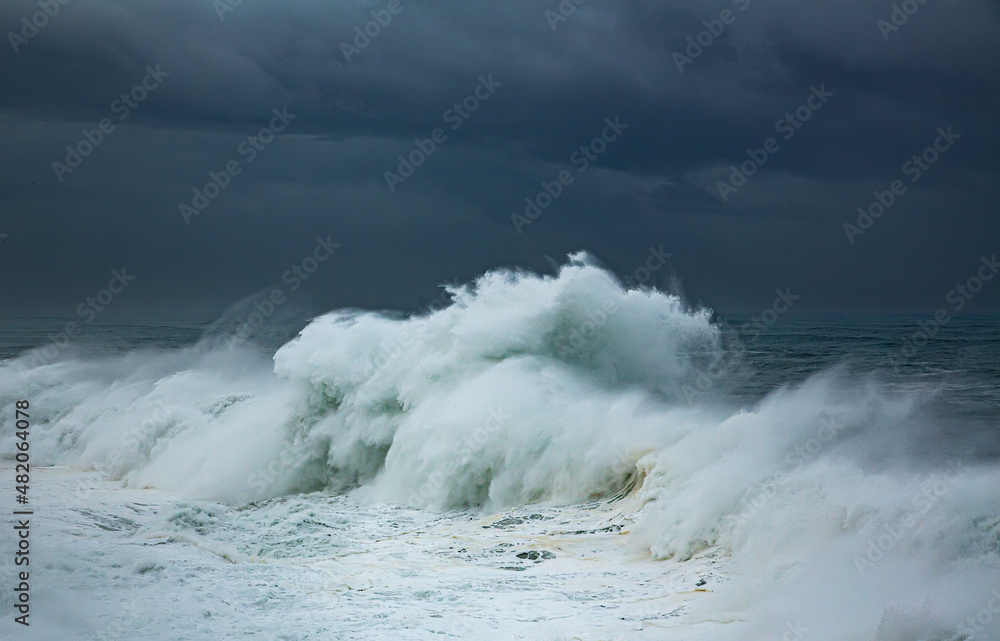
pixel 561 390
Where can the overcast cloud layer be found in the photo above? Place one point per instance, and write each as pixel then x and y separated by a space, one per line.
pixel 553 84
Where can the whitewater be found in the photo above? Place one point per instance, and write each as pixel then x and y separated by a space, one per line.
pixel 546 457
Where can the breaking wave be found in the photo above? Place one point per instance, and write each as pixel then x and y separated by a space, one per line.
pixel 563 389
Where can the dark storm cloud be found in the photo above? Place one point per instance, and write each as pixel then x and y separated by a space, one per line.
pixel 655 184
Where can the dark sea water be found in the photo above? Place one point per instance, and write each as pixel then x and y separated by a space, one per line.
pixel 961 361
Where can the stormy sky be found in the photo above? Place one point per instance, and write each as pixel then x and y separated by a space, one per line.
pixel 849 92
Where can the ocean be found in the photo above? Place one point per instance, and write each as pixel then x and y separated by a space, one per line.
pixel 546 457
